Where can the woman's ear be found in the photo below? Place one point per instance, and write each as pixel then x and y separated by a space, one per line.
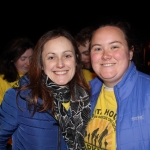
pixel 131 53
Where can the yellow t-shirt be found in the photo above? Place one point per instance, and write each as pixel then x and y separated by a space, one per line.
pixel 66 105
pixel 88 75
pixel 5 85
pixel 101 130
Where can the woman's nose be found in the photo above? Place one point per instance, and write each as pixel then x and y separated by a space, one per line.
pixel 60 63
pixel 106 55
pixel 28 62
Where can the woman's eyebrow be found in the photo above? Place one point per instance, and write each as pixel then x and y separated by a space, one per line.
pixel 115 42
pixel 95 45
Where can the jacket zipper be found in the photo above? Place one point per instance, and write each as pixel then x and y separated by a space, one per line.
pixel 59 138
pixel 59 133
pixel 117 122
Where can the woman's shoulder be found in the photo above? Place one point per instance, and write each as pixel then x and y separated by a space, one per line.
pixel 24 80
pixel 9 99
pixel 1 77
pixel 144 77
pixel 11 92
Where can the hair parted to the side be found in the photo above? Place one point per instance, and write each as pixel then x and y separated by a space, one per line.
pixel 38 89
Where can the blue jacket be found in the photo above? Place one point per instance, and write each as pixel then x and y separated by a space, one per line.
pixel 133 112
pixel 40 132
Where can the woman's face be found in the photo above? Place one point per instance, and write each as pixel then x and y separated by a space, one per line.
pixel 22 64
pixel 59 61
pixel 110 55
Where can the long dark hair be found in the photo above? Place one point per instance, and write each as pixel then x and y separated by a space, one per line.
pixel 12 52
pixel 38 89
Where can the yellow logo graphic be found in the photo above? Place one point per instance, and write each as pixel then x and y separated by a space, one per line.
pixel 101 137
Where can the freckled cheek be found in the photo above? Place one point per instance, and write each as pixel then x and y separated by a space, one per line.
pixel 95 58
pixel 119 56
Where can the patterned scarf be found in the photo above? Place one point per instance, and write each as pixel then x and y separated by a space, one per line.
pixel 74 121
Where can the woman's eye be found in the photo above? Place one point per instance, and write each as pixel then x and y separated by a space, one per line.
pixel 95 49
pixel 68 56
pixel 50 57
pixel 98 49
pixel 23 59
pixel 114 47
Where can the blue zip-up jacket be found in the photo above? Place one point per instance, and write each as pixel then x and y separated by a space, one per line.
pixel 133 109
pixel 40 132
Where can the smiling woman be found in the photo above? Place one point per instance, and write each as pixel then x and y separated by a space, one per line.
pixel 110 54
pixel 14 64
pixel 120 96
pixel 59 61
pixel 53 97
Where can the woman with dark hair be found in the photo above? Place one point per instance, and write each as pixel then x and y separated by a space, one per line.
pixel 120 95
pixel 14 63
pixel 53 107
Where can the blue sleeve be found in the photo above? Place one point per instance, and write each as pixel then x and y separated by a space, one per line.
pixel 8 117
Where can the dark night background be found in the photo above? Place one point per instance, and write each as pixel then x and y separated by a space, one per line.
pixel 33 18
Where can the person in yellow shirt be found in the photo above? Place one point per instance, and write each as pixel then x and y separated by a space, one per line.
pixel 120 95
pixel 88 75
pixel 14 64
pixel 83 40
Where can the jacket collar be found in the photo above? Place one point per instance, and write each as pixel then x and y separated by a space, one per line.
pixel 127 81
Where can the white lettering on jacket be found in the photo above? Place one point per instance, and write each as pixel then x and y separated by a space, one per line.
pixel 137 118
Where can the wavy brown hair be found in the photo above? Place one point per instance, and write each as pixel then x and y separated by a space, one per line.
pixel 38 89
